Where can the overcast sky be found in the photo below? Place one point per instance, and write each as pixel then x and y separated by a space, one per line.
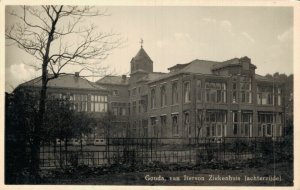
pixel 175 35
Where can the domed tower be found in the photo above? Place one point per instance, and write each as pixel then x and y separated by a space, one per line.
pixel 141 62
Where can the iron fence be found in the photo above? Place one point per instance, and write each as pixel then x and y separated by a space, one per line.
pixel 166 150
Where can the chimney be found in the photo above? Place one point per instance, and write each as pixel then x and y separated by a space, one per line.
pixel 124 77
pixel 76 74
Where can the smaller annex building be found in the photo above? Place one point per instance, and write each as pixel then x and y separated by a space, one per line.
pixel 84 96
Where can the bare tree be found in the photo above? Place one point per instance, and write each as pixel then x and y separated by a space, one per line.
pixel 58 37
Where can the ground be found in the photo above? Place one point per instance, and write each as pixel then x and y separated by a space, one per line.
pixel 283 172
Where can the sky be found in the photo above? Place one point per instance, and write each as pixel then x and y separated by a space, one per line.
pixel 174 35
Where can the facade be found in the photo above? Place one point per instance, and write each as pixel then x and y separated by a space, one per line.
pixel 200 99
pixel 84 95
pixel 197 99
pixel 118 97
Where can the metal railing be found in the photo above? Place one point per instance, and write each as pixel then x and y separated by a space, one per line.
pixel 166 150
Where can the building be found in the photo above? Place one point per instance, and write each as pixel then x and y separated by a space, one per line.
pixel 118 97
pixel 85 96
pixel 198 99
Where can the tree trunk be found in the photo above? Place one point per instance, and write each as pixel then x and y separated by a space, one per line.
pixel 35 151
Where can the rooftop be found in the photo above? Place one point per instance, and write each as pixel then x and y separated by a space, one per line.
pixel 117 80
pixel 141 56
pixel 65 81
pixel 230 62
pixel 196 66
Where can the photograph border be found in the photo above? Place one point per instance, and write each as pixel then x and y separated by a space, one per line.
pixel 239 3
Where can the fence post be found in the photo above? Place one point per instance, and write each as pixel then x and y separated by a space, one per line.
pixel 224 149
pixel 255 153
pixel 108 153
pixel 151 148
pixel 190 149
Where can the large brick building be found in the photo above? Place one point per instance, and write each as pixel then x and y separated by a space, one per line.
pixel 197 99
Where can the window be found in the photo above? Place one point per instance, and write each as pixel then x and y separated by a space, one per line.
pixel 200 118
pixel 145 128
pixel 199 90
pixel 187 92
pixel 234 90
pixel 174 93
pixel 123 111
pixel 215 92
pixel 134 133
pixel 267 123
pixel 235 122
pixel 153 102
pixel 163 96
pixel 269 130
pixel 279 96
pixel 115 92
pixel 115 111
pixel 187 126
pixel 175 124
pixel 207 131
pixel 234 97
pixel 154 126
pixel 219 130
pixel 260 130
pixel 216 122
pixel 134 92
pixel 265 95
pixel 119 108
pixel 213 129
pixel 134 107
pixel 246 124
pixel 278 130
pixel 98 103
pixel 245 90
pixel 163 123
pixel 140 132
pixel 79 102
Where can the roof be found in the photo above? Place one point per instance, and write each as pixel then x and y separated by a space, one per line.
pixel 230 62
pixel 139 71
pixel 141 56
pixel 178 66
pixel 273 80
pixel 65 81
pixel 153 76
pixel 116 80
pixel 264 78
pixel 197 66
